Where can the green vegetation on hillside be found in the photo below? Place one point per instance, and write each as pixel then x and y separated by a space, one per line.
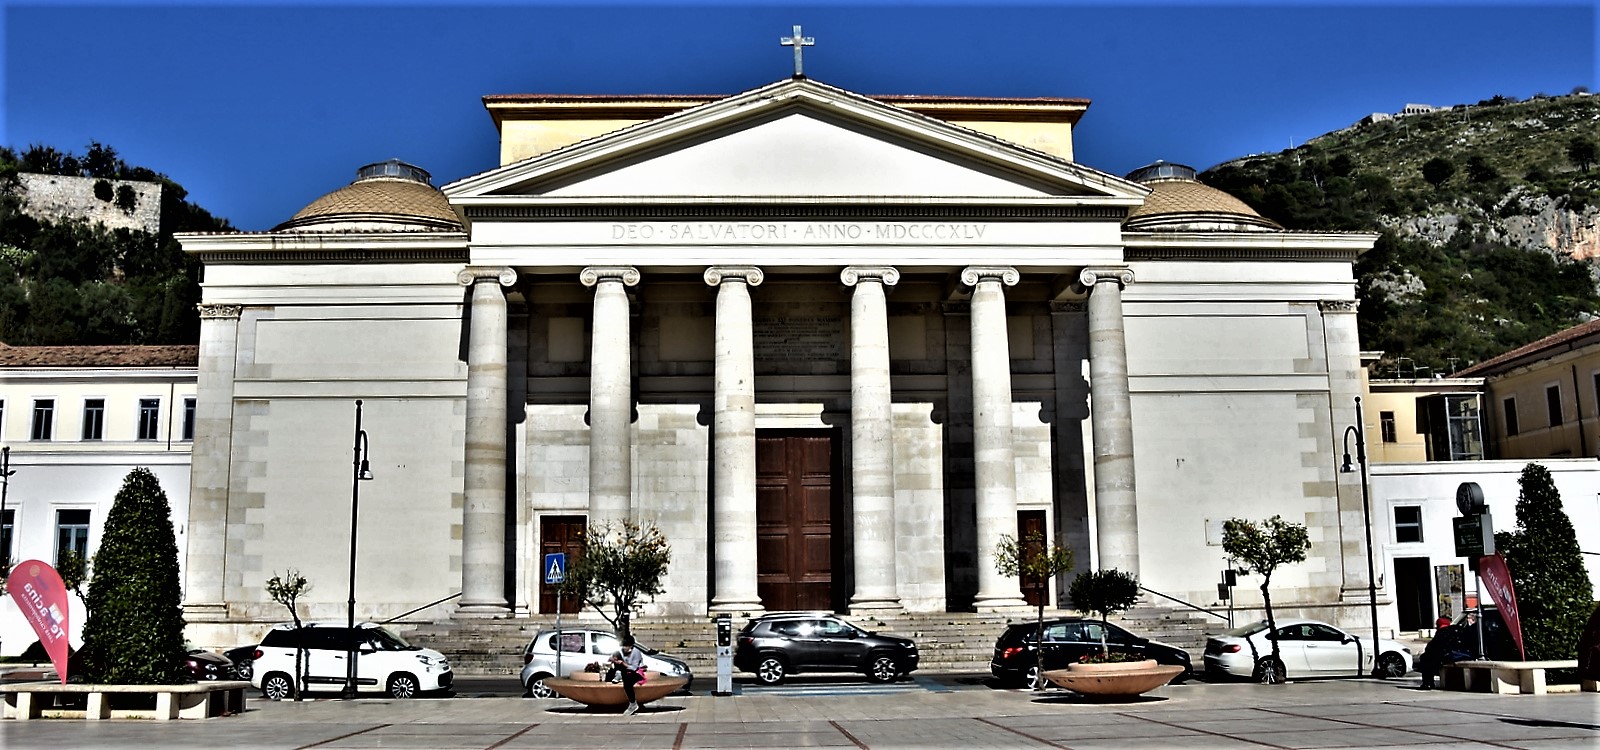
pixel 1445 286
pixel 73 282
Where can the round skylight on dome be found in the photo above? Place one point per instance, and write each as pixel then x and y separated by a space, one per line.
pixel 395 168
pixel 1162 170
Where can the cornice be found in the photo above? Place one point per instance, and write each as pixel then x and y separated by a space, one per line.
pixel 1247 246
pixel 313 247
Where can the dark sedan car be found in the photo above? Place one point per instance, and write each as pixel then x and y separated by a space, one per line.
pixel 1068 639
pixel 779 644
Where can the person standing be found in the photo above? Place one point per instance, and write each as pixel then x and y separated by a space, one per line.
pixel 630 662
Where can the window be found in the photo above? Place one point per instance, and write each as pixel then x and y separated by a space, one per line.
pixel 6 522
pixel 44 417
pixel 1552 401
pixel 149 418
pixel 1408 524
pixel 1386 426
pixel 72 533
pixel 1511 416
pixel 188 419
pixel 94 418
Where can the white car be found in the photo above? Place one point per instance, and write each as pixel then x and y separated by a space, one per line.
pixel 581 647
pixel 1308 648
pixel 385 663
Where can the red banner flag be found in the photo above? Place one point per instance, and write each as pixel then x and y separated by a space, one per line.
pixel 1497 579
pixel 41 596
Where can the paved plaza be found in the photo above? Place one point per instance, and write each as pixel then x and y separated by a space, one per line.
pixel 947 711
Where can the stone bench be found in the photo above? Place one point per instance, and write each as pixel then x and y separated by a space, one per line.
pixel 200 700
pixel 1505 677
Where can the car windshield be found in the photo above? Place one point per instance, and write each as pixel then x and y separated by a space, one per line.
pixel 387 641
pixel 1245 631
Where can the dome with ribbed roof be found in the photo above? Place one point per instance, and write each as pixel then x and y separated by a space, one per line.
pixel 388 196
pixel 1178 202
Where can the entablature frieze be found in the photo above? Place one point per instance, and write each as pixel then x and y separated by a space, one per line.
pixel 851 210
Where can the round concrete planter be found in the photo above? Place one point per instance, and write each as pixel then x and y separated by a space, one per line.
pixel 1116 679
pixel 586 688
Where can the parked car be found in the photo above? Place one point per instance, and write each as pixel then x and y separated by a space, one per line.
pixel 385 662
pixel 243 658
pixel 1066 640
pixel 579 648
pixel 1308 648
pixel 779 644
pixel 205 665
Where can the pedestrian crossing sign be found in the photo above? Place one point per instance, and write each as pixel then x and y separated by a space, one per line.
pixel 555 567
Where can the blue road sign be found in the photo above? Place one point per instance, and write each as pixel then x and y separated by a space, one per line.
pixel 555 567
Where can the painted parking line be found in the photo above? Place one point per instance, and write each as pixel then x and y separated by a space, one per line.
pixel 913 685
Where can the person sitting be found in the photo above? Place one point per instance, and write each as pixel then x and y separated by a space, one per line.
pixel 629 662
pixel 1452 643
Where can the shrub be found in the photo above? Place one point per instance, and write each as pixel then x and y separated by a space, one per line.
pixel 134 634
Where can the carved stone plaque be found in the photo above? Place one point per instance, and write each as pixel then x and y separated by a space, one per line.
pixel 799 338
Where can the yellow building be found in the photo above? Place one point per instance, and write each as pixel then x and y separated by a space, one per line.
pixel 1541 399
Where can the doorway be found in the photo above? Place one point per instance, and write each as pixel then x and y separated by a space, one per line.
pixel 1030 525
pixel 1413 592
pixel 558 534
pixel 798 507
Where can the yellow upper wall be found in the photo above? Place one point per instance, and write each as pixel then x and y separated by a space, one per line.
pixel 535 124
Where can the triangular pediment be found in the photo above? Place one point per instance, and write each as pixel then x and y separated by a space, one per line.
pixel 795 139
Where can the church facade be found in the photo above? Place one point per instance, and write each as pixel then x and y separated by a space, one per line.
pixel 833 346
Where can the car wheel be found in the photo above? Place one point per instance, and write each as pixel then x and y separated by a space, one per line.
pixel 537 688
pixel 277 686
pixel 1270 671
pixel 402 686
pixel 883 669
pixel 243 669
pixel 1391 665
pixel 1033 678
pixel 771 670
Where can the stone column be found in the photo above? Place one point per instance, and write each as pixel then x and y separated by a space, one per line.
pixel 1111 416
pixel 871 441
pixel 212 464
pixel 483 523
pixel 1344 536
pixel 994 459
pixel 733 438
pixel 610 394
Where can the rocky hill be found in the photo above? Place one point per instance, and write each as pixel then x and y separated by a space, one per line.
pixel 1489 214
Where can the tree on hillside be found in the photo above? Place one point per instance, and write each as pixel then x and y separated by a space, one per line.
pixel 1581 151
pixel 1034 559
pixel 620 564
pixel 1480 170
pixel 1438 170
pixel 1554 594
pixel 1104 592
pixel 1264 547
pixel 134 633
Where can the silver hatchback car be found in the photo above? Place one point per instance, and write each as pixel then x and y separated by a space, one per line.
pixel 579 648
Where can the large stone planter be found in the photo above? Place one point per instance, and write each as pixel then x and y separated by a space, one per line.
pixel 1116 679
pixel 586 688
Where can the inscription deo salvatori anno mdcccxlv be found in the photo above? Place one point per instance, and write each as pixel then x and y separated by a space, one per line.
pixel 708 231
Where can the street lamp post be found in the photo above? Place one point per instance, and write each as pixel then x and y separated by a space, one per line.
pixel 361 471
pixel 5 487
pixel 1366 518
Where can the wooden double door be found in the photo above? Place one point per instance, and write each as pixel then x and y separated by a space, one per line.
pixel 799 518
pixel 559 534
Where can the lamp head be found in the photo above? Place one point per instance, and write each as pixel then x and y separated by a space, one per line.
pixel 366 471
pixel 1346 468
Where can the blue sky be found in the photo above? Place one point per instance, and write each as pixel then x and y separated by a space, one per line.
pixel 258 108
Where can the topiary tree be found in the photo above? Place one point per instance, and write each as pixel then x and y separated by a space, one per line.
pixel 1264 547
pixel 286 590
pixel 1554 594
pixel 620 563
pixel 1104 592
pixel 1032 558
pixel 134 633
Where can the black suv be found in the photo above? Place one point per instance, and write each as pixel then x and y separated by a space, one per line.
pixel 1067 639
pixel 779 644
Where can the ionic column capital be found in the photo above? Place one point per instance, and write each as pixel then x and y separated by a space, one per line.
pixel 1338 305
pixel 628 275
pixel 219 311
pixel 1007 275
pixel 1120 275
pixel 470 275
pixel 888 275
pixel 750 275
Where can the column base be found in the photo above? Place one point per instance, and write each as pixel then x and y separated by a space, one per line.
pixel 205 612
pixel 746 608
pixel 481 612
pixel 876 607
pixel 1001 606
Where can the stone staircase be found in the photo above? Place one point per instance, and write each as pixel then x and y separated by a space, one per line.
pixel 947 641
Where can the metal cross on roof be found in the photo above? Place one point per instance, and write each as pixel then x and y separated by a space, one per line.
pixel 798 42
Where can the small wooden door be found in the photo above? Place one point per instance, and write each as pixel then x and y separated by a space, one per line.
pixel 558 534
pixel 1030 523
pixel 795 510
